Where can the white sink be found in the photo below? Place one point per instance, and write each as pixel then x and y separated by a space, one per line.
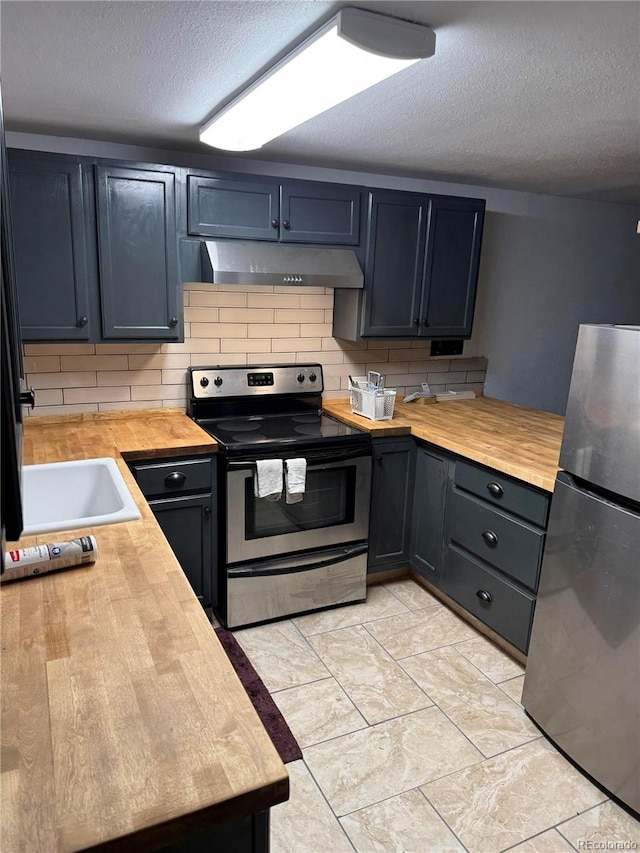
pixel 67 495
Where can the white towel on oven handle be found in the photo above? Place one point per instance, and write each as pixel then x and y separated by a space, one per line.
pixel 295 479
pixel 267 482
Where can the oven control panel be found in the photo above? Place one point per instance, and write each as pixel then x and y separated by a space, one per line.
pixel 207 383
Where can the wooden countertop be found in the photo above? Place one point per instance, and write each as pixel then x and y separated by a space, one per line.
pixel 514 440
pixel 122 718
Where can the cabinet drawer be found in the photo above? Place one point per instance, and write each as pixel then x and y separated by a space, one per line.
pixel 178 476
pixel 502 540
pixel 507 608
pixel 503 492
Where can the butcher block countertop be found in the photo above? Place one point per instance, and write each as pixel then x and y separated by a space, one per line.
pixel 123 722
pixel 514 440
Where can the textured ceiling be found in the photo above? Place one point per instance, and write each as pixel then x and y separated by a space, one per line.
pixel 539 96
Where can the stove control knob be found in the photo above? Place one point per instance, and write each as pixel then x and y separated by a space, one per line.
pixel 301 377
pixel 217 381
pixel 312 377
pixel 204 381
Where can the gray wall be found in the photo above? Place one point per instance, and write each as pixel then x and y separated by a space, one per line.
pixel 548 264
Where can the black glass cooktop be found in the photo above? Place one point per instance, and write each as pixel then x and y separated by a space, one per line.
pixel 248 431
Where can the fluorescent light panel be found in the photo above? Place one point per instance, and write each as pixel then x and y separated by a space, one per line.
pixel 325 70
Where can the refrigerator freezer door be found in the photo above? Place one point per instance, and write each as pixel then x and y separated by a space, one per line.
pixel 582 682
pixel 601 441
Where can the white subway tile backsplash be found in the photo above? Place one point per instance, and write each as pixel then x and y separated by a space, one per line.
pixel 54 349
pixel 129 406
pixel 245 345
pixel 129 377
pixel 273 300
pixel 49 397
pixel 292 315
pixel 278 330
pixel 94 362
pixel 96 395
pixel 446 378
pixel 204 299
pixel 246 315
pixel 39 411
pixel 42 363
pixel 202 315
pixel 123 349
pixel 228 325
pixel 294 344
pixel 81 379
pixel 159 360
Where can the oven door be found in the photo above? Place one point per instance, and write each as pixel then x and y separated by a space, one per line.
pixel 271 589
pixel 334 510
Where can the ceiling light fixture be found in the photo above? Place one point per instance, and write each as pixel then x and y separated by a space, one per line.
pixel 351 52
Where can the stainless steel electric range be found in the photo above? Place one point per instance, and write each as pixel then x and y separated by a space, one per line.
pixel 276 558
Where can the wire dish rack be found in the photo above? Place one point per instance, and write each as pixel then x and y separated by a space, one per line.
pixel 377 405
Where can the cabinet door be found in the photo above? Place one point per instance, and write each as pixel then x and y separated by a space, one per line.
pixel 394 264
pixel 391 495
pixel 140 290
pixel 188 524
pixel 320 213
pixel 454 235
pixel 49 233
pixel 219 207
pixel 428 513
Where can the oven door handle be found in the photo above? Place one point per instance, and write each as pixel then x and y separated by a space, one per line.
pixel 312 458
pixel 290 566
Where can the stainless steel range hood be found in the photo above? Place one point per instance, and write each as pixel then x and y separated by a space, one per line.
pixel 238 262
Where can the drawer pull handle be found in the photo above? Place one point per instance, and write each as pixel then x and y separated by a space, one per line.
pixel 175 479
pixel 485 596
pixel 490 538
pixel 495 489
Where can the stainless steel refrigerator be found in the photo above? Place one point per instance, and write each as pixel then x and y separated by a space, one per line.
pixel 582 681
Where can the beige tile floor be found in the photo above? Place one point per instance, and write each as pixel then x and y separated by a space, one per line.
pixel 414 739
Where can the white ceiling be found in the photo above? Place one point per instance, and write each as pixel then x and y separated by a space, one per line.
pixel 539 96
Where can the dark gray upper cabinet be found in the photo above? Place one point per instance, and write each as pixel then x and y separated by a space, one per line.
pixel 224 207
pixel 421 269
pixel 231 206
pixel 320 213
pixel 137 248
pixel 454 237
pixel 391 500
pixel 393 265
pixel 50 227
pixel 427 528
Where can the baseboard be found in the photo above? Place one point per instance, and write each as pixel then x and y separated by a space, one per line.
pixel 387 575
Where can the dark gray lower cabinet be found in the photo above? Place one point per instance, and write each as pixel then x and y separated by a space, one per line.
pixel 245 835
pixel 182 496
pixel 391 501
pixel 427 528
pixel 186 522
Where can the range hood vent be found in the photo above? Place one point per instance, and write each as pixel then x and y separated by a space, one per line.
pixel 238 262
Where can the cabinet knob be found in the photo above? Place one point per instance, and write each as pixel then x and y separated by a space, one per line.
pixel 416 322
pixel 173 322
pixel 495 489
pixel 28 398
pixel 206 510
pixel 379 460
pixel 82 321
pixel 286 224
pixel 485 596
pixel 175 479
pixel 490 538
pixel 275 223
pixel 425 322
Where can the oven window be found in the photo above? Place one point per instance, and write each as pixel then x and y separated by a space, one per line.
pixel 329 499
